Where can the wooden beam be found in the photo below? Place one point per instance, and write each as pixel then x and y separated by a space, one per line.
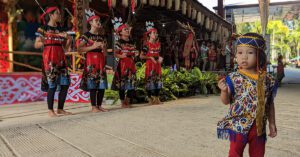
pixel 24 65
pixel 22 53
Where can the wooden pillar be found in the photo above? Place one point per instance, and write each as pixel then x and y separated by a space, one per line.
pixel 10 45
pixel 221 8
pixel 11 12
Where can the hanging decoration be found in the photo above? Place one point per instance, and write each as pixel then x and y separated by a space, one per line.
pixel 194 15
pixel 125 3
pixel 151 2
pixel 215 26
pixel 113 3
pixel 202 19
pixel 189 10
pixel 199 17
pixel 162 3
pixel 156 3
pixel 169 4
pixel 109 4
pixel 177 5
pixel 213 36
pixel 184 7
pixel 144 1
pixel 207 20
pixel 133 6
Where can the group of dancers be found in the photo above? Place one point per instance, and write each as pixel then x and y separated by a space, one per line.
pixel 250 91
pixel 93 43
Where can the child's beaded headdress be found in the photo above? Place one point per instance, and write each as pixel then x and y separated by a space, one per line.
pixel 250 41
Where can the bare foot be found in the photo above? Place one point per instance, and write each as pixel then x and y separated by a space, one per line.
pixel 52 114
pixel 157 101
pixel 102 109
pixel 95 109
pixel 63 112
pixel 150 101
pixel 127 102
pixel 124 105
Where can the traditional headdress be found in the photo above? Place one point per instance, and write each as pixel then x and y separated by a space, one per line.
pixel 118 24
pixel 150 27
pixel 90 15
pixel 48 10
pixel 250 41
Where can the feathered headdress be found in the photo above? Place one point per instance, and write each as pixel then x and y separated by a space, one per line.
pixel 118 24
pixel 150 27
pixel 90 15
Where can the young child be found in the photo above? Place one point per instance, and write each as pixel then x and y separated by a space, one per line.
pixel 212 57
pixel 153 74
pixel 54 41
pixel 94 76
pixel 204 52
pixel 250 93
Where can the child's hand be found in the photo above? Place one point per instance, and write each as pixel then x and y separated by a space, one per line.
pixel 222 85
pixel 273 130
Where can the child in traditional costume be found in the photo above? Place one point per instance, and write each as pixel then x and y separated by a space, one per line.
pixel 250 92
pixel 212 57
pixel 55 73
pixel 125 52
pixel 150 53
pixel 94 78
pixel 204 54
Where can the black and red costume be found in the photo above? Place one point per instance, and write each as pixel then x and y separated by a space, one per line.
pixel 55 74
pixel 94 70
pixel 153 73
pixel 125 75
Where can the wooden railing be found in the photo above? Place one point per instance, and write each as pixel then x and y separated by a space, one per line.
pixel 75 58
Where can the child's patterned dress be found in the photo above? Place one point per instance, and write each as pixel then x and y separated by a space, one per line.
pixel 243 105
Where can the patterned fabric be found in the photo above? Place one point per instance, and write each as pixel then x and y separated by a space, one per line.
pixel 94 74
pixel 125 75
pixel 251 42
pixel 243 107
pixel 55 71
pixel 153 70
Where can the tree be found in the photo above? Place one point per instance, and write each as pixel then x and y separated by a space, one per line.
pixel 283 40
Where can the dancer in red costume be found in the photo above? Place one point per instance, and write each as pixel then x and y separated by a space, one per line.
pixel 125 52
pixel 153 59
pixel 94 76
pixel 54 41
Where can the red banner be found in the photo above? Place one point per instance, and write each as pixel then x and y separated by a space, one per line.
pixel 21 88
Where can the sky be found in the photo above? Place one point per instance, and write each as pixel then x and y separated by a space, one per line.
pixel 209 3
pixel 212 3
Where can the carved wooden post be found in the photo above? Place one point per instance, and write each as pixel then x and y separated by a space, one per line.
pixel 11 12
